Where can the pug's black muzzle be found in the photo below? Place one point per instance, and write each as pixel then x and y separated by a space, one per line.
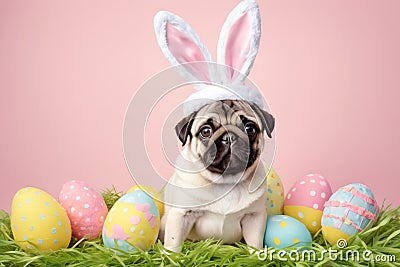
pixel 229 154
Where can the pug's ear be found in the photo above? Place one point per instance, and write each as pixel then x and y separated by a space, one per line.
pixel 183 127
pixel 267 120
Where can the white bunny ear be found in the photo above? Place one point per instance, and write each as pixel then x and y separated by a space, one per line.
pixel 239 40
pixel 180 44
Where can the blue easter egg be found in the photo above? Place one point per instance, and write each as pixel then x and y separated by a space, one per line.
pixel 348 211
pixel 283 231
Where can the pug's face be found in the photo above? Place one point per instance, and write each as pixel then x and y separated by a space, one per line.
pixel 226 136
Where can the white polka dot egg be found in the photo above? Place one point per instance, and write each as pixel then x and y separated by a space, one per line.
pixel 306 198
pixel 38 221
pixel 284 231
pixel 85 207
pixel 133 222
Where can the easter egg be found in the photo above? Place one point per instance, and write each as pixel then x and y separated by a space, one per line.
pixel 275 193
pixel 38 221
pixel 348 211
pixel 284 231
pixel 85 207
pixel 133 222
pixel 306 198
pixel 157 196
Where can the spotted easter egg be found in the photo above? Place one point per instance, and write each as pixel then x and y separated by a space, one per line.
pixel 133 222
pixel 348 211
pixel 306 198
pixel 283 231
pixel 38 221
pixel 157 196
pixel 275 193
pixel 85 207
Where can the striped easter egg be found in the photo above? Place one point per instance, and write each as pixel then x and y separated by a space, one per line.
pixel 348 211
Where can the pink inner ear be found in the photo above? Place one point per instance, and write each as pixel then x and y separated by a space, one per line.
pixel 238 43
pixel 185 50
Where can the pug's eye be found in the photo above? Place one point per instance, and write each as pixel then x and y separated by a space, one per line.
pixel 206 131
pixel 251 129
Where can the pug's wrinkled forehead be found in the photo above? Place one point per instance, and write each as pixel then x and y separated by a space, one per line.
pixel 226 112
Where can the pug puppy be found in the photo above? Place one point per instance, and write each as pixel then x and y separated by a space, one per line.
pixel 218 188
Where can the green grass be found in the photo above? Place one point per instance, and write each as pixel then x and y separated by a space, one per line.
pixel 381 238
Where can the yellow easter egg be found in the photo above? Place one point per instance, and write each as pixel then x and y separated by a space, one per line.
pixel 310 217
pixel 38 221
pixel 157 196
pixel 133 222
pixel 275 193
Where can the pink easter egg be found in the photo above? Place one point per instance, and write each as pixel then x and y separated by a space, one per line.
pixel 311 190
pixel 85 208
pixel 305 200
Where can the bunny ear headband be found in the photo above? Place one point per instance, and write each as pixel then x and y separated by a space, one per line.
pixel 237 48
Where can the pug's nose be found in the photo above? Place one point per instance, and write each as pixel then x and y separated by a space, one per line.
pixel 228 138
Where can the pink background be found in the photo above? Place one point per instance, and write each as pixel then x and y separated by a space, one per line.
pixel 68 69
